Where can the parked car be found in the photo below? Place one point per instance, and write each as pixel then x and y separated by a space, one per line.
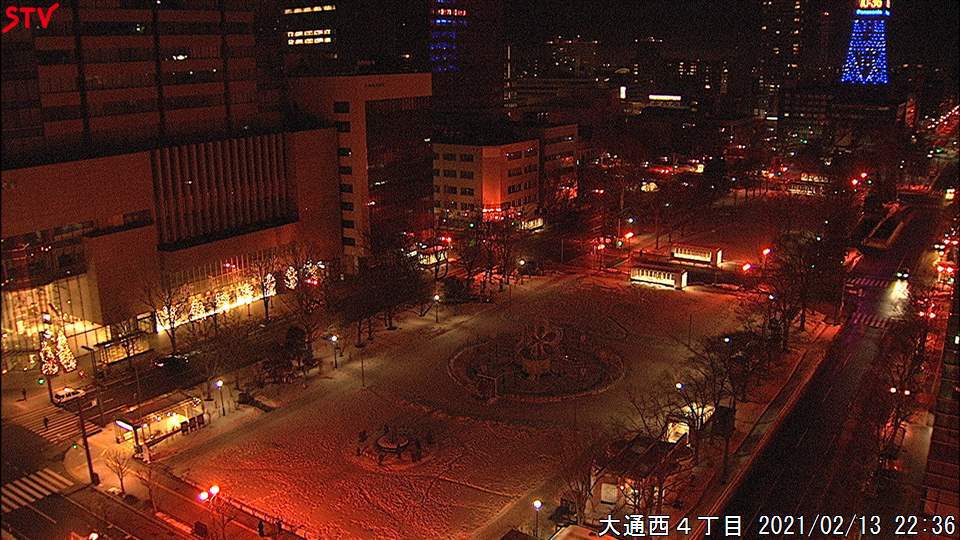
pixel 67 394
pixel 903 272
pixel 172 362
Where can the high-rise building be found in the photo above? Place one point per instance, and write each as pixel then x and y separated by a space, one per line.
pixel 781 46
pixel 384 129
pixel 866 62
pixel 100 78
pixel 457 40
pixel 142 143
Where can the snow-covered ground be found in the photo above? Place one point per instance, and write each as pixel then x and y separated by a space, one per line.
pixel 300 461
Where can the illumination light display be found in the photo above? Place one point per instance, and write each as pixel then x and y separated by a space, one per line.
pixel 866 62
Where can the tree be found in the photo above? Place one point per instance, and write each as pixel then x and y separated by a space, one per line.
pixel 262 273
pixel 307 279
pixel 650 416
pixel 119 464
pixel 170 304
pixel 469 248
pixel 578 456
pixel 150 479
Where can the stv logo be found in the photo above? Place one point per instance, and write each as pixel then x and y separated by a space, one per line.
pixel 16 14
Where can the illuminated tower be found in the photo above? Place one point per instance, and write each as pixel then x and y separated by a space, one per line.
pixel 866 62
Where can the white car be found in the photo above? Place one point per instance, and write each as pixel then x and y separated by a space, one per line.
pixel 67 394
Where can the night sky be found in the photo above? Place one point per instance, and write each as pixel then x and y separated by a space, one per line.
pixel 920 30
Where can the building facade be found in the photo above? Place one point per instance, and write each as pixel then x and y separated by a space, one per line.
pixel 83 241
pixel 383 126
pixel 127 76
pixel 780 51
pixel 486 181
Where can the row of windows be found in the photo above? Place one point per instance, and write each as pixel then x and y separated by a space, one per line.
pixel 341 106
pixel 309 33
pixel 514 188
pixel 309 9
pixel 450 173
pixel 309 41
pixel 515 172
pixel 453 157
pixel 452 190
pixel 453 205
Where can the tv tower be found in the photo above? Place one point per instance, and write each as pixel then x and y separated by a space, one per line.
pixel 866 62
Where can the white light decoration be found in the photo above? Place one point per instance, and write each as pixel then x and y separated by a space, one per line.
pixel 269 285
pixel 64 355
pixel 290 278
pixel 197 309
pixel 48 359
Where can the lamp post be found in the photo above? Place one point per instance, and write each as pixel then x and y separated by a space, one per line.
pixel 436 304
pixel 523 262
pixel 209 497
pixel 537 505
pixel 223 407
pixel 333 343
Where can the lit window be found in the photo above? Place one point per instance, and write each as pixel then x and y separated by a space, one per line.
pixel 309 9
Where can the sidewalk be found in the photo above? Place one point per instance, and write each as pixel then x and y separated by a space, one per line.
pixel 176 500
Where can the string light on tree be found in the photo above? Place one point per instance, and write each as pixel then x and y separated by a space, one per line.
pixel 64 355
pixel 270 285
pixel 290 278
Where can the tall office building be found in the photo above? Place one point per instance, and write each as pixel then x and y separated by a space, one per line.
pixel 781 46
pixel 115 75
pixel 457 40
pixel 142 142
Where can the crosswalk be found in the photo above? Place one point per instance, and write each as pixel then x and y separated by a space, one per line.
pixel 868 319
pixel 61 425
pixel 30 488
pixel 870 282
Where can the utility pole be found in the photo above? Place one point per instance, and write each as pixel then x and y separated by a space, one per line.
pixel 94 479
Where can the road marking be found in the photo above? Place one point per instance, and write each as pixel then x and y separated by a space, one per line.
pixel 30 488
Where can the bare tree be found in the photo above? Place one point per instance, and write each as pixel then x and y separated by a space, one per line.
pixel 150 479
pixel 119 464
pixel 264 273
pixel 307 280
pixel 469 249
pixel 170 304
pixel 579 453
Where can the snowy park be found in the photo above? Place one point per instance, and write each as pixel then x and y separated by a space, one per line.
pixel 312 460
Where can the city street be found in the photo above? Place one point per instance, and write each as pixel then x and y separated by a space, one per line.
pixel 813 466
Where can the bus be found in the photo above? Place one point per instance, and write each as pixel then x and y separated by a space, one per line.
pixel 659 275
pixel 701 254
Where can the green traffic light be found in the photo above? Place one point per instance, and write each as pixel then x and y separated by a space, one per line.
pixel 41 380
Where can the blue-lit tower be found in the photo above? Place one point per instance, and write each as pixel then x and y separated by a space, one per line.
pixel 866 62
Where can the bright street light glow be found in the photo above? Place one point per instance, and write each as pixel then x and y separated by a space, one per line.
pixel 334 338
pixel 436 298
pixel 538 504
pixel 203 496
pixel 214 489
pixel 679 386
pixel 219 383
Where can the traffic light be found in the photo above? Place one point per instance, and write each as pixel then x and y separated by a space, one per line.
pixel 41 381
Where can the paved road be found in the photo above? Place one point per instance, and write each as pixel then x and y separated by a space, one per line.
pixel 807 469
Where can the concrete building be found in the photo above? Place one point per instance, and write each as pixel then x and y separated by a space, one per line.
pixel 101 76
pixel 459 41
pixel 383 125
pixel 82 240
pixel 559 160
pixel 781 47
pixel 486 178
pixel 142 141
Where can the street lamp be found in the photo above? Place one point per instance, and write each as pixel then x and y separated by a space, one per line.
pixel 537 505
pixel 209 496
pixel 223 407
pixel 333 342
pixel 436 304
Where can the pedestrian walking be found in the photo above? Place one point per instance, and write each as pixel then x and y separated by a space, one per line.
pixel 23 392
pixel 46 423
